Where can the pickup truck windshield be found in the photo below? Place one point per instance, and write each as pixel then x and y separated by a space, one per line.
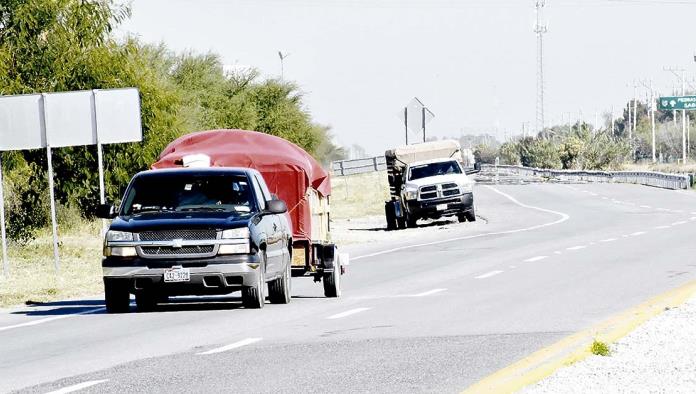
pixel 187 193
pixel 434 169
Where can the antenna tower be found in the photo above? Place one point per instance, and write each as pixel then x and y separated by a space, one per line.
pixel 540 29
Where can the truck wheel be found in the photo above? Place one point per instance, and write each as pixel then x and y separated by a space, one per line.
pixel 279 289
pixel 146 301
pixel 401 223
pixel 411 221
pixel 391 217
pixel 332 283
pixel 461 217
pixel 254 297
pixel 116 297
pixel 470 215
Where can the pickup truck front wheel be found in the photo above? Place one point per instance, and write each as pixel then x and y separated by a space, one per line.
pixel 146 301
pixel 279 289
pixel 116 296
pixel 254 297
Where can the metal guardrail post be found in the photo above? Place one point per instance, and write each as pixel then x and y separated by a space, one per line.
pixel 374 161
pixel 340 163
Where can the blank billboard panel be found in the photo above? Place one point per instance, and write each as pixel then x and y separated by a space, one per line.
pixel 69 119
pixel 21 123
pixel 118 115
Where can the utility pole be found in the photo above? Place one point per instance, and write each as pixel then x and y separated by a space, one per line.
pixel 653 108
pixel 282 57
pixel 679 73
pixel 540 29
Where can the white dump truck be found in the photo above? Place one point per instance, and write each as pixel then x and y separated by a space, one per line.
pixel 428 181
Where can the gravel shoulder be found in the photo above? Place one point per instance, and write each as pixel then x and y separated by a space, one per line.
pixel 657 357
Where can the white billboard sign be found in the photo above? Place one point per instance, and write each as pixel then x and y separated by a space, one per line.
pixel 21 123
pixel 70 119
pixel 118 116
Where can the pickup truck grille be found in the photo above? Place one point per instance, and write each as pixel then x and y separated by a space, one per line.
pixel 186 235
pixel 183 251
pixel 439 191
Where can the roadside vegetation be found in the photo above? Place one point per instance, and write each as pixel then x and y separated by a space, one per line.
pixel 581 146
pixel 599 348
pixel 347 204
pixel 62 45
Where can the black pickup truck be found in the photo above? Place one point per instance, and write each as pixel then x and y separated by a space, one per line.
pixel 201 231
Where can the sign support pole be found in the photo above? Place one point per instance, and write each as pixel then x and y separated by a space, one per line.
pixel 423 120
pixel 54 223
pixel 100 159
pixel 406 123
pixel 5 262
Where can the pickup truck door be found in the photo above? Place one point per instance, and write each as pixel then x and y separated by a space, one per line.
pixel 272 228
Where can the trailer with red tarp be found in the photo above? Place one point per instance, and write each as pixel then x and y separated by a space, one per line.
pixel 291 174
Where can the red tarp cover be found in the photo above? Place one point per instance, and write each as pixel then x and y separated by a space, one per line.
pixel 287 169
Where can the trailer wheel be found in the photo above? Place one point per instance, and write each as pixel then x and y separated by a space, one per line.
pixel 254 297
pixel 332 282
pixel 279 289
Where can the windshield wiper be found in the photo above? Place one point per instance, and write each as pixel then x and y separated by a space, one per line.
pixel 202 208
pixel 152 208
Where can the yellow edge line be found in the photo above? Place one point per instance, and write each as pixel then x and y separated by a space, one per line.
pixel 576 347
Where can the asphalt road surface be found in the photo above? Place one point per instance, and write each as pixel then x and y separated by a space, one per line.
pixel 436 316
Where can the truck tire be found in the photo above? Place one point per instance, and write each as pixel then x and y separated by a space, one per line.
pixel 470 215
pixel 332 283
pixel 146 301
pixel 461 217
pixel 402 223
pixel 391 217
pixel 116 297
pixel 279 289
pixel 411 221
pixel 254 297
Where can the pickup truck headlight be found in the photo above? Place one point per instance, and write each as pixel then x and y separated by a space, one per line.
pixel 241 234
pixel 466 187
pixel 236 233
pixel 113 235
pixel 411 194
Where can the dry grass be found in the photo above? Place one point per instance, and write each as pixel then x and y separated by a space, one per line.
pixel 360 195
pixel 32 272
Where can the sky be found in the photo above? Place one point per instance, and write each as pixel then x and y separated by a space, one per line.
pixel 471 62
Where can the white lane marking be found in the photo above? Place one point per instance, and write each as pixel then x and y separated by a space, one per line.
pixel 50 319
pixel 79 386
pixel 537 258
pixel 427 293
pixel 692 218
pixel 646 206
pixel 512 266
pixel 576 247
pixel 608 240
pixel 243 342
pixel 679 223
pixel 693 213
pixel 677 211
pixel 663 209
pixel 661 227
pixel 605 198
pixel 557 252
pixel 563 218
pixel 637 233
pixel 594 194
pixel 488 274
pixel 348 313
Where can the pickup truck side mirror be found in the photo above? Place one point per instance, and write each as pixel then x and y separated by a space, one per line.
pixel 276 206
pixel 106 211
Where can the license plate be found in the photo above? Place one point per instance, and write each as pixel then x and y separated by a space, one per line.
pixel 177 274
pixel 441 207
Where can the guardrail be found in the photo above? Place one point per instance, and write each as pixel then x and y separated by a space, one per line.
pixel 648 178
pixel 359 166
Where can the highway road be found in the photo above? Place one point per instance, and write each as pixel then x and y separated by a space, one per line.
pixel 544 261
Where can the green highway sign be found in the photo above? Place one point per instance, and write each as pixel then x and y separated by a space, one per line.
pixel 678 102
